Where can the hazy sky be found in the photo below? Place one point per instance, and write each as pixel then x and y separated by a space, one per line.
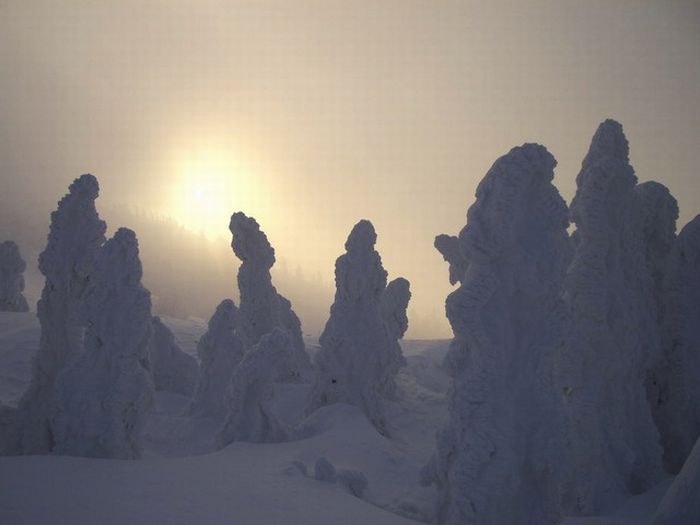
pixel 313 115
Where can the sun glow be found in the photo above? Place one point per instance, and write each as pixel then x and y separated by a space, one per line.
pixel 210 186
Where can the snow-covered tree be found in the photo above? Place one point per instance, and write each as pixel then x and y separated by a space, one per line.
pixel 359 355
pixel 261 308
pixel 173 370
pixel 393 305
pixel 250 394
pixel 9 430
pixel 609 292
pixel 12 267
pixel 678 380
pixel 220 351
pixel 681 504
pixel 75 236
pixel 102 398
pixel 499 457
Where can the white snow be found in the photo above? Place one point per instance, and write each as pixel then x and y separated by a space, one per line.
pixel 75 236
pixel 500 457
pixel 219 350
pixel 102 398
pixel 360 354
pixel 261 307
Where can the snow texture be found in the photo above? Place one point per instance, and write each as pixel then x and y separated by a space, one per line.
pixel 609 293
pixel 173 370
pixel 678 380
pixel 75 236
pixel 324 470
pixel 12 268
pixel 220 350
pixel 102 398
pixel 9 430
pixel 360 355
pixel 393 305
pixel 454 254
pixel 499 456
pixel 681 504
pixel 250 395
pixel 261 308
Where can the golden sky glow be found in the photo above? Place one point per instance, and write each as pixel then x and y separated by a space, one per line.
pixel 311 115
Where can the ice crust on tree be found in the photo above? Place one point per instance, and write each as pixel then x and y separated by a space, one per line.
pixel 173 369
pixel 12 268
pixel 360 355
pixel 499 457
pixel 681 504
pixel 678 413
pixel 609 292
pixel 75 236
pixel 220 351
pixel 261 308
pixel 250 394
pixel 102 398
pixel 393 305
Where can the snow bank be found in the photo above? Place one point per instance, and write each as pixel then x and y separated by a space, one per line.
pixel 359 356
pixel 250 394
pixel 173 370
pixel 609 292
pixel 261 308
pixel 220 350
pixel 101 399
pixel 500 455
pixel 75 236
pixel 12 267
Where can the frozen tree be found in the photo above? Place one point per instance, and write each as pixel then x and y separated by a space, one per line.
pixel 261 308
pixel 681 504
pixel 220 350
pixel 75 236
pixel 250 394
pixel 9 430
pixel 393 305
pixel 359 355
pixel 609 292
pixel 453 253
pixel 499 457
pixel 102 397
pixel 12 267
pixel 173 370
pixel 678 380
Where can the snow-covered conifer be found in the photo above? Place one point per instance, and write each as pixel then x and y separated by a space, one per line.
pixel 12 267
pixel 101 399
pixel 678 408
pixel 359 355
pixel 681 504
pixel 393 305
pixel 499 457
pixel 609 293
pixel 261 308
pixel 173 370
pixel 75 236
pixel 251 392
pixel 220 350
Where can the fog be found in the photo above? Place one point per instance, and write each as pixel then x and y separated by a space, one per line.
pixel 312 115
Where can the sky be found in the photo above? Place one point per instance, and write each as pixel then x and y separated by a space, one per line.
pixel 312 115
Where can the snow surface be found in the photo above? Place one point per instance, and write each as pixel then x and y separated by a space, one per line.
pixel 183 480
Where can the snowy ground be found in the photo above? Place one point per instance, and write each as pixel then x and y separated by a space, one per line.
pixel 182 480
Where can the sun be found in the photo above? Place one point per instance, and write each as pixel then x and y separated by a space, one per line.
pixel 205 191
